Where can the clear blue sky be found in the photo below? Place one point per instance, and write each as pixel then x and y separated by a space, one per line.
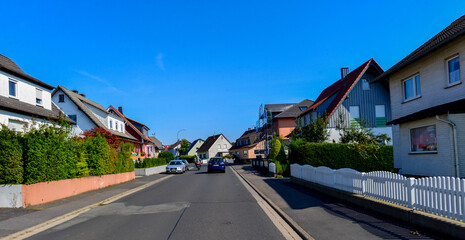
pixel 208 65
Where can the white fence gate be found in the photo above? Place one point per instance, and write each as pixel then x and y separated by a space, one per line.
pixel 444 196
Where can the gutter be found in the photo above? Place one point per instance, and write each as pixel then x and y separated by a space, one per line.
pixel 454 136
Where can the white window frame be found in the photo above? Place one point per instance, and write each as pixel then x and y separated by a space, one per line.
pixel 111 124
pixel 16 88
pixel 41 103
pixel 415 90
pixel 449 84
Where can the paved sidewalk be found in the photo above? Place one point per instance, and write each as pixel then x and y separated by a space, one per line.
pixel 324 218
pixel 16 219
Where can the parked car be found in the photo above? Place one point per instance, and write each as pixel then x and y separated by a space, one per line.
pixel 216 164
pixel 175 166
pixel 186 163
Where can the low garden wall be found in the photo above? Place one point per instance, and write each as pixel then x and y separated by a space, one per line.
pixel 150 171
pixel 14 196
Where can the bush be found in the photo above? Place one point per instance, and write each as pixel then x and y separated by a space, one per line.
pixel 150 162
pixel 166 155
pixel 363 158
pixel 228 156
pixel 11 151
pixel 48 155
pixel 189 158
pixel 275 148
pixel 98 152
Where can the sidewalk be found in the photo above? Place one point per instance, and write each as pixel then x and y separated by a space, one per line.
pixel 16 219
pixel 324 218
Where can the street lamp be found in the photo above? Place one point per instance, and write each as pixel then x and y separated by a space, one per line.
pixel 177 135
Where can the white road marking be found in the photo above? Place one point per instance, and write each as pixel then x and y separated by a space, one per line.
pixel 280 224
pixel 66 217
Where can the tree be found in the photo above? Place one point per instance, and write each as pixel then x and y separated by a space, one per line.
pixel 166 155
pixel 184 145
pixel 275 148
pixel 316 131
pixel 112 140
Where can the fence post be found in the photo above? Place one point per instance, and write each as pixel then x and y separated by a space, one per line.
pixel 364 181
pixel 411 192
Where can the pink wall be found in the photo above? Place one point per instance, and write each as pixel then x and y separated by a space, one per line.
pixel 285 126
pixel 43 192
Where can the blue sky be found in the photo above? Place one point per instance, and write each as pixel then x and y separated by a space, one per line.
pixel 206 66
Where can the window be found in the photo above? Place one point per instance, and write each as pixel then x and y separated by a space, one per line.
pixel 16 126
pixel 303 108
pixel 12 85
pixel 111 124
pixel 73 117
pixel 412 87
pixel 453 66
pixel 365 84
pixel 423 139
pixel 245 152
pixel 354 116
pixel 380 115
pixel 219 146
pixel 224 146
pixel 61 98
pixel 38 96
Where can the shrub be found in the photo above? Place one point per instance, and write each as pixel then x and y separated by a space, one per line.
pixel 98 152
pixel 11 165
pixel 189 158
pixel 150 162
pixel 111 139
pixel 228 156
pixel 48 155
pixel 166 155
pixel 275 147
pixel 316 131
pixel 363 158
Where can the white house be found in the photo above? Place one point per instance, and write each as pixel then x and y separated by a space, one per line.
pixel 88 114
pixel 194 147
pixel 428 106
pixel 214 146
pixel 24 99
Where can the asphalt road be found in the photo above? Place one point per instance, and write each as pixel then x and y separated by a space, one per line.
pixel 193 205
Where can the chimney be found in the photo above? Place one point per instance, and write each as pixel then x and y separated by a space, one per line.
pixel 120 109
pixel 344 72
pixel 75 91
pixel 82 94
pixel 250 129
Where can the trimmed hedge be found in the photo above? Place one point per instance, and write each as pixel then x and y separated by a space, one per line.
pixel 11 155
pixel 151 162
pixel 363 158
pixel 166 155
pixel 189 158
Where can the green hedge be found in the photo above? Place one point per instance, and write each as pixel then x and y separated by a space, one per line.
pixel 363 158
pixel 49 154
pixel 11 155
pixel 150 162
pixel 189 158
pixel 166 155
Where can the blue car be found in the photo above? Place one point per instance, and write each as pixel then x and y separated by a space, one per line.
pixel 216 164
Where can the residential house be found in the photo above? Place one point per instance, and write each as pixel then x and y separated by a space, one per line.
pixel 353 101
pixel 158 145
pixel 244 148
pixel 25 100
pixel 143 147
pixel 195 145
pixel 428 106
pixel 174 149
pixel 285 122
pixel 214 146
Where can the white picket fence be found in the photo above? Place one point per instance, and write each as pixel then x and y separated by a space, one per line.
pixel 264 164
pixel 443 196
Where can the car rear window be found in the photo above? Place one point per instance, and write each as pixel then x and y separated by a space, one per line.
pixel 216 160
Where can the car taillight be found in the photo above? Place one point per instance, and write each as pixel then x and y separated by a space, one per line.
pixel 222 163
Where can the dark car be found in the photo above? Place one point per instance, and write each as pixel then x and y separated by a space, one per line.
pixel 216 164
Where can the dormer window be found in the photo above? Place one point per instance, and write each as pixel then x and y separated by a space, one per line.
pixel 303 108
pixel 13 88
pixel 39 97
pixel 61 98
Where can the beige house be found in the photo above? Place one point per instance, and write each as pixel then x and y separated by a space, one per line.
pixel 214 146
pixel 428 106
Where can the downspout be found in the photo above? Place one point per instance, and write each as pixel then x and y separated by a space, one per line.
pixel 454 136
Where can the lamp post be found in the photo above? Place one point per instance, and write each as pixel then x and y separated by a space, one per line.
pixel 177 135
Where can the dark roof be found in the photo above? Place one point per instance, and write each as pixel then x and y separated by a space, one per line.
pixel 172 146
pixel 209 142
pixel 79 100
pixel 249 134
pixel 134 122
pixel 452 32
pixel 111 108
pixel 341 88
pixel 452 107
pixel 157 142
pixel 14 105
pixel 295 110
pixel 7 65
pixel 280 107
pixel 192 145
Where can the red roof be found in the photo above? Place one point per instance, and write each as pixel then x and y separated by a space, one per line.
pixel 130 124
pixel 342 87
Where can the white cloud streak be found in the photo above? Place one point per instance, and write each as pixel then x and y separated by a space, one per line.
pixel 99 79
